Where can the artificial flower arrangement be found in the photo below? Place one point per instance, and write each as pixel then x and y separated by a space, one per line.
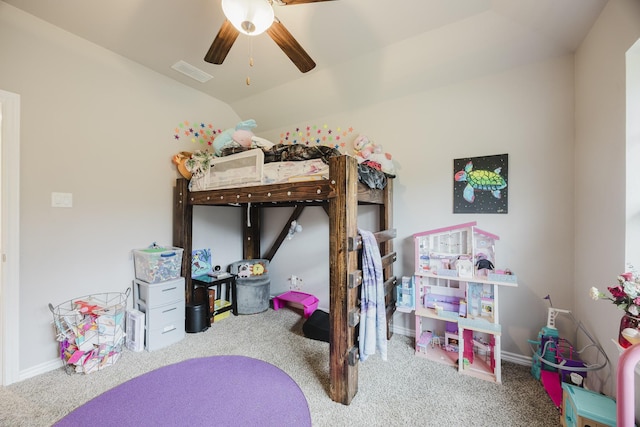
pixel 625 295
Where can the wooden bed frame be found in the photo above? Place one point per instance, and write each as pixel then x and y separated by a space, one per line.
pixel 339 196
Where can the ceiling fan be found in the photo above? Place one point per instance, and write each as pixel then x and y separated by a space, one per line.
pixel 253 17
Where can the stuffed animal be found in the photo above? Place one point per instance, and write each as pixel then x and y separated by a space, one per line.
pixel 362 148
pixel 293 229
pixel 371 154
pixel 258 269
pixel 244 270
pixel 240 135
pixel 179 160
pixel 381 161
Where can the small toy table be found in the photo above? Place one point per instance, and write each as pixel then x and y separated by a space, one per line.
pixel 583 408
pixel 308 302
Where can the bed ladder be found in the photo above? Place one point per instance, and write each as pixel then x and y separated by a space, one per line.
pixel 346 278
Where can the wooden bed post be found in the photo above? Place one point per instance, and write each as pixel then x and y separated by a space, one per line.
pixel 182 231
pixel 342 261
pixel 386 248
pixel 251 216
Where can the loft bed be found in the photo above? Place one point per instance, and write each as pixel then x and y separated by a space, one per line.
pixel 339 196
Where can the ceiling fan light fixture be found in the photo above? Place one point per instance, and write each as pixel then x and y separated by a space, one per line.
pixel 250 17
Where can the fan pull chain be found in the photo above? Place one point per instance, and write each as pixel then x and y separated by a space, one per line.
pixel 248 81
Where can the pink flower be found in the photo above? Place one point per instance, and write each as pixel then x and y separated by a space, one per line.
pixel 626 294
pixel 617 292
pixel 628 276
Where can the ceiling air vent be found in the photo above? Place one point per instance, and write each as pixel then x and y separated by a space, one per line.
pixel 191 71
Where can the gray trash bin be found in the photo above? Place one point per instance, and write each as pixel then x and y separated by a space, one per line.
pixel 252 290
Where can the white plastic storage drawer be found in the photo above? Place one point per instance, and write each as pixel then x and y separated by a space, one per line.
pixel 159 317
pixel 156 294
pixel 167 335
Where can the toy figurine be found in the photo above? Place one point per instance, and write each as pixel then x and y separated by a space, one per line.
pixel 483 263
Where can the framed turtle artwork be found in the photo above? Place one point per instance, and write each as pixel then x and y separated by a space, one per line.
pixel 480 184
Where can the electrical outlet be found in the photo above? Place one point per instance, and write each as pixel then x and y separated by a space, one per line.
pixel 61 200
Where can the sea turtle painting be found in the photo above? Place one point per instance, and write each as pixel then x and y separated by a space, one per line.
pixel 480 180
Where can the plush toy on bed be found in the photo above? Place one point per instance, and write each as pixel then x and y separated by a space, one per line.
pixel 362 148
pixel 240 135
pixel 179 160
pixel 371 154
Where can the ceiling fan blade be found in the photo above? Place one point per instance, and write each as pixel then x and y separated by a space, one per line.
pixel 292 2
pixel 290 46
pixel 222 43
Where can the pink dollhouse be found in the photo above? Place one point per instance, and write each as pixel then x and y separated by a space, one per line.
pixel 456 296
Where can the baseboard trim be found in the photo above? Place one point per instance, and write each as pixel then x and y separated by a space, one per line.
pixel 402 331
pixel 40 369
pixel 518 359
pixel 56 363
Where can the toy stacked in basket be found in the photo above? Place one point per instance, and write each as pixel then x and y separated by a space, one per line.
pixel 90 330
pixel 295 298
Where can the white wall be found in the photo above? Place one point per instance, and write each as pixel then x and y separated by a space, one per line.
pixel 600 151
pixel 526 112
pixel 100 127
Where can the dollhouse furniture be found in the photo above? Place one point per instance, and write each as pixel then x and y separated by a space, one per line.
pixel 585 408
pixel 339 196
pixel 462 307
pixel 405 294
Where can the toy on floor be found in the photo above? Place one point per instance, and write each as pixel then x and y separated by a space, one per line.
pixel 316 327
pixel 295 298
pixel 556 361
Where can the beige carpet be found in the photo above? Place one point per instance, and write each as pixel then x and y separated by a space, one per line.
pixel 404 391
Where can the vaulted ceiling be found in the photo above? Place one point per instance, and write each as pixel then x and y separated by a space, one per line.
pixel 437 40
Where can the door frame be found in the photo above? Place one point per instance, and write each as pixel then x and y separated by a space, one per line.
pixel 10 237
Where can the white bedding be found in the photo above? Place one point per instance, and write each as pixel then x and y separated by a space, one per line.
pixel 247 170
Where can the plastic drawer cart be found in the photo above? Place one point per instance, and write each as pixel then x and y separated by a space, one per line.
pixel 164 307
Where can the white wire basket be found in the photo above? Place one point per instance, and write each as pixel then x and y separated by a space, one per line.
pixel 91 330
